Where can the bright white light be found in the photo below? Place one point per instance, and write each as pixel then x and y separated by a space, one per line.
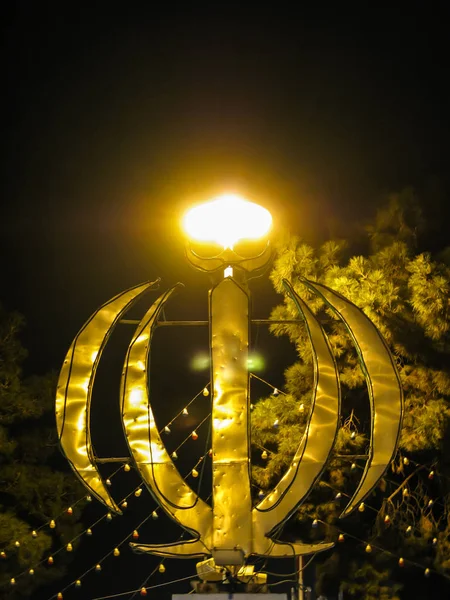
pixel 226 220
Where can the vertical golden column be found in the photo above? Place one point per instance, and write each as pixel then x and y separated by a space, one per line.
pixel 229 340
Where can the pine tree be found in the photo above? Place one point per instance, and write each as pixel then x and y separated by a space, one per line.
pixel 34 487
pixel 406 293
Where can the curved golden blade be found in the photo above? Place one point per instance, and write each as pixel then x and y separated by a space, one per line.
pixel 190 549
pixel 74 392
pixel 383 382
pixel 152 459
pixel 318 440
pixel 276 549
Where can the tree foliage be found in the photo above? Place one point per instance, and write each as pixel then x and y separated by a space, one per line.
pixel 34 489
pixel 406 293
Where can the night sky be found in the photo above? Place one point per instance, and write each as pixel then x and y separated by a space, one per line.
pixel 115 121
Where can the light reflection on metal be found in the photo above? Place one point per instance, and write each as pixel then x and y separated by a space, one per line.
pixel 383 383
pixel 149 453
pixel 314 449
pixel 231 527
pixel 74 391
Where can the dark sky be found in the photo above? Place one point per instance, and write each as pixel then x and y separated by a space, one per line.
pixel 115 120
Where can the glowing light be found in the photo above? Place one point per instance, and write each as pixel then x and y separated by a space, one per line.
pixel 200 362
pixel 255 362
pixel 136 397
pixel 226 220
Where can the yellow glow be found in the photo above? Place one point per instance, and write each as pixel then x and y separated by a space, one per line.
pixel 136 396
pixel 226 220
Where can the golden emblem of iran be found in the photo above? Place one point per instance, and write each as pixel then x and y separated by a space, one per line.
pixel 231 527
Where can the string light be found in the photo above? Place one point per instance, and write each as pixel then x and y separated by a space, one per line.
pixel 194 473
pixel 194 435
pixel 77 583
pixel 174 455
pixel 162 568
pixel 154 515
pixel 109 516
pixel 264 455
pixel 124 504
pixel 185 411
pixel 138 492
pixel 135 535
pixel 370 546
pixel 362 507
pixel 341 538
pixel 89 498
pixel 143 591
pixel 108 482
pixel 127 468
pixel 70 509
pixel 52 524
pixel 2 554
pixel 261 494
pixel 116 552
pixel 98 567
pixel 68 547
pixel 17 544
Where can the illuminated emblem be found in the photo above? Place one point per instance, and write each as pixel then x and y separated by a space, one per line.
pixel 231 528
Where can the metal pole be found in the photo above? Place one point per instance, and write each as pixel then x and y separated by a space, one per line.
pixel 301 589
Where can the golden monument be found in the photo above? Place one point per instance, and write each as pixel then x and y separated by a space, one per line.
pixel 231 528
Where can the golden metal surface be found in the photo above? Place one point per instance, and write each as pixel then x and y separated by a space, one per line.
pixel 229 257
pixel 74 391
pixel 317 442
pixel 150 455
pixel 231 525
pixel 229 339
pixel 383 382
